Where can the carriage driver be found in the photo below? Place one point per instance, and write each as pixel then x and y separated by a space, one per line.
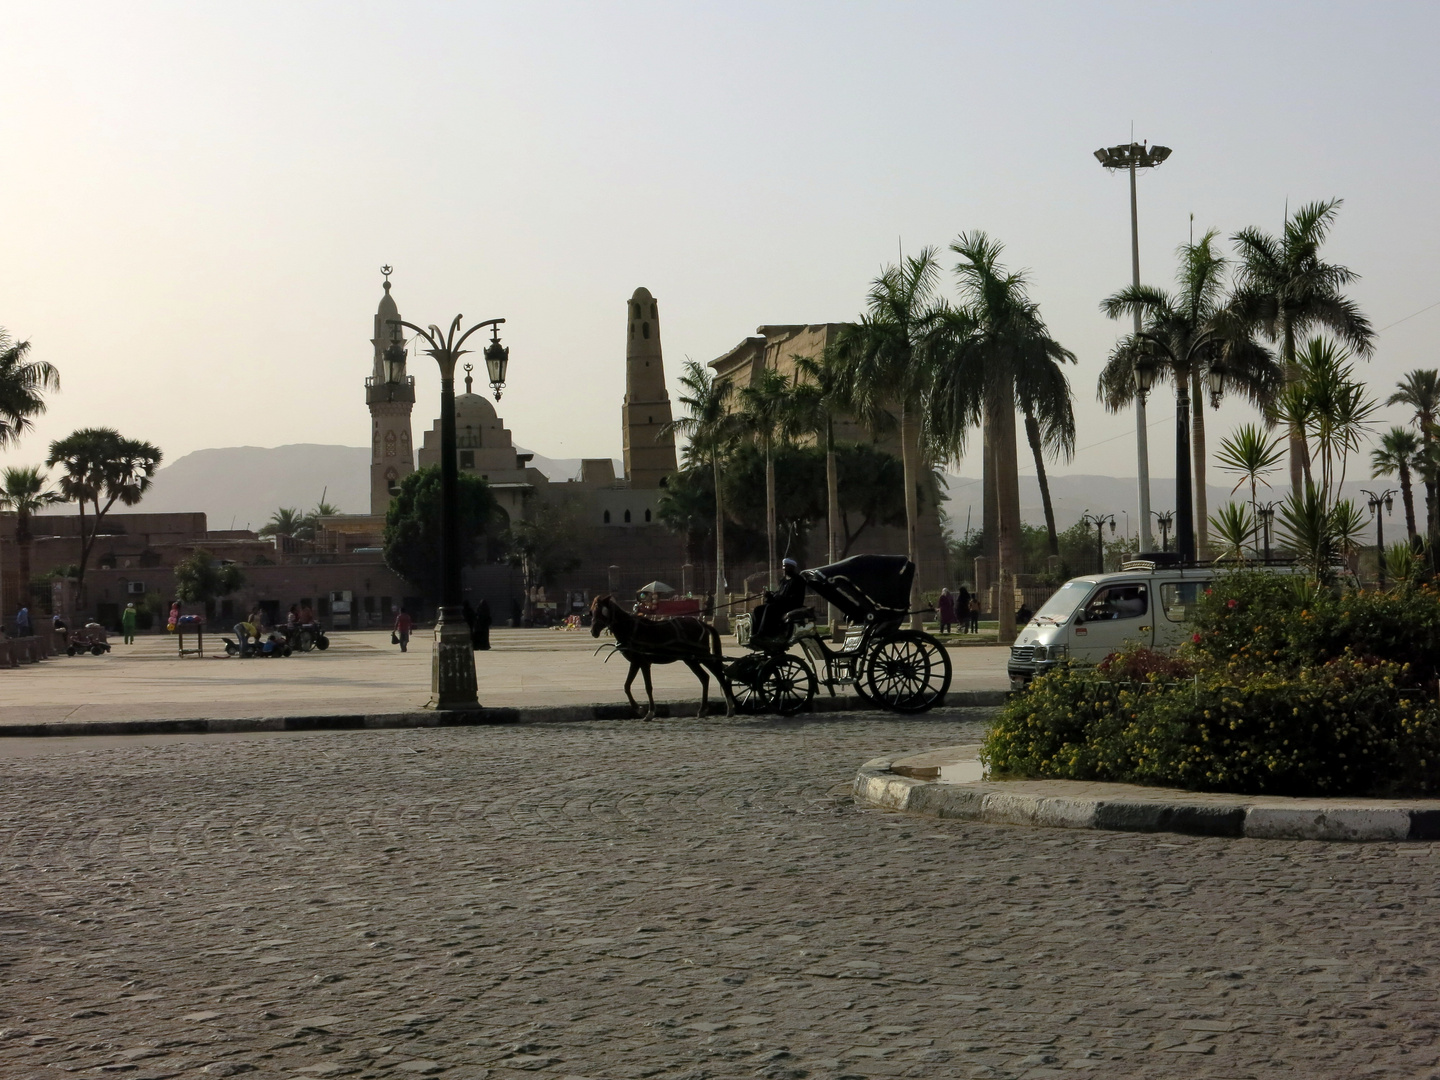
pixel 790 596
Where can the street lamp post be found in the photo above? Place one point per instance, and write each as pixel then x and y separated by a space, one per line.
pixel 1131 157
pixel 1385 500
pixel 1165 521
pixel 1266 512
pixel 452 668
pixel 1099 521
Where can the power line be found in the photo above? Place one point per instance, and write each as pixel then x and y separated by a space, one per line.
pixel 1407 318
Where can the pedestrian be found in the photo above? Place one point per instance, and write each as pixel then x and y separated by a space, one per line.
pixel 127 624
pixel 245 631
pixel 480 636
pixel 403 624
pixel 962 609
pixel 22 622
pixel 974 615
pixel 947 610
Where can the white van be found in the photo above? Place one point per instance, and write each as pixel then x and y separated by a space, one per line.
pixel 1089 618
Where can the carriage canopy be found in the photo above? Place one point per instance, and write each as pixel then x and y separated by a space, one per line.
pixel 865 585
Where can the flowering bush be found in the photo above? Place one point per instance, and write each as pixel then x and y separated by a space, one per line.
pixel 1345 726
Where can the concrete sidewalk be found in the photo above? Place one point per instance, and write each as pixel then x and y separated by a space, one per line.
pixel 361 675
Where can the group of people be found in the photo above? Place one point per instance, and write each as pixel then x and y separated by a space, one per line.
pixel 959 610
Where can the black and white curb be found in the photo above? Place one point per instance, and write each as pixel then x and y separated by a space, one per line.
pixel 1209 815
pixel 418 718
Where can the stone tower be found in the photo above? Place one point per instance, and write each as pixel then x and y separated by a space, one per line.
pixel 392 457
pixel 649 456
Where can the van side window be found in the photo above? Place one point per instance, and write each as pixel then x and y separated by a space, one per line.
pixel 1178 598
pixel 1117 602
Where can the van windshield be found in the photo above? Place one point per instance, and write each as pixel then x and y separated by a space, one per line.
pixel 1063 604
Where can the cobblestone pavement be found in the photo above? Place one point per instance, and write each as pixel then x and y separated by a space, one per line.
pixel 676 899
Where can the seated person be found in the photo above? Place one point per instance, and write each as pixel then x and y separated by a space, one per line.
pixel 1117 602
pixel 790 596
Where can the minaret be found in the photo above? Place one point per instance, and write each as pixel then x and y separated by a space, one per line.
pixel 392 457
pixel 649 456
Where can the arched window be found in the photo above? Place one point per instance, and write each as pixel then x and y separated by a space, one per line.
pixel 627 517
pixel 637 310
pixel 654 310
pixel 632 331
pixel 607 517
pixel 645 329
pixel 647 515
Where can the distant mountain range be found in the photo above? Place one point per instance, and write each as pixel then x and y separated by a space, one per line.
pixel 1072 494
pixel 241 486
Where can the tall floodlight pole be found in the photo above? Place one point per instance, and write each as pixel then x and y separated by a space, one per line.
pixel 452 667
pixel 1378 502
pixel 1131 157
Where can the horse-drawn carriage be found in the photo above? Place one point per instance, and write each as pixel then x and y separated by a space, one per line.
pixel 891 666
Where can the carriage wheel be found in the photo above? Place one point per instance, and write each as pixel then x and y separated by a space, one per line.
pixel 789 685
pixel 305 641
pixel 747 683
pixel 908 672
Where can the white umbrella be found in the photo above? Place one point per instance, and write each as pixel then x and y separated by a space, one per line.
pixel 655 587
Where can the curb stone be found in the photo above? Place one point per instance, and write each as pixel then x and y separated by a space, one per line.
pixel 539 714
pixel 1232 816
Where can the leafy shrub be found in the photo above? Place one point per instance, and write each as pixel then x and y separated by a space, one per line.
pixel 1342 727
pixel 1254 618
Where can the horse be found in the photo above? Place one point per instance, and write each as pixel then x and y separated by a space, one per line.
pixel 644 642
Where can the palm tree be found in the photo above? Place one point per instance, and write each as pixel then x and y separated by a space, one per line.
pixel 1234 527
pixel 996 352
pixel 888 360
pixel 1252 454
pixel 23 491
pixel 1420 390
pixel 22 387
pixel 1187 337
pixel 1047 404
pixel 1397 455
pixel 286 521
pixel 764 406
pixel 98 468
pixel 1325 403
pixel 1285 289
pixel 710 431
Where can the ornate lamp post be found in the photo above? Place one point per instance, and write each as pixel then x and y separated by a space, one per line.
pixel 1166 521
pixel 452 671
pixel 1266 513
pixel 1099 521
pixel 1133 156
pixel 1385 500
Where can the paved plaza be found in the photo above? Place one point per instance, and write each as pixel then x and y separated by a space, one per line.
pixel 360 672
pixel 697 899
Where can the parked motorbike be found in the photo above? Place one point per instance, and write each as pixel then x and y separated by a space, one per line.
pixel 307 636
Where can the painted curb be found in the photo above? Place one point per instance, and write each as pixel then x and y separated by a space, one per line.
pixel 538 714
pixel 876 785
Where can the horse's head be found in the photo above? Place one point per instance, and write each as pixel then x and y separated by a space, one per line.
pixel 600 614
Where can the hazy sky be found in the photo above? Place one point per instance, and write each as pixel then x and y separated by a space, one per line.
pixel 197 197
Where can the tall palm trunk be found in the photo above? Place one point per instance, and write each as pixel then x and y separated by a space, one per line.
pixel 1032 435
pixel 1408 497
pixel 989 504
pixel 722 613
pixel 832 509
pixel 1007 497
pixel 770 505
pixel 1197 450
pixel 1299 454
pixel 910 460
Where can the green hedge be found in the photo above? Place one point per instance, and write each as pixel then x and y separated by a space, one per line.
pixel 1283 690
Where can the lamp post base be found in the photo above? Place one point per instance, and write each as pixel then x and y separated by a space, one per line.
pixel 452 667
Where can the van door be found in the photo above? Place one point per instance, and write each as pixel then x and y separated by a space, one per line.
pixel 1117 614
pixel 1177 605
